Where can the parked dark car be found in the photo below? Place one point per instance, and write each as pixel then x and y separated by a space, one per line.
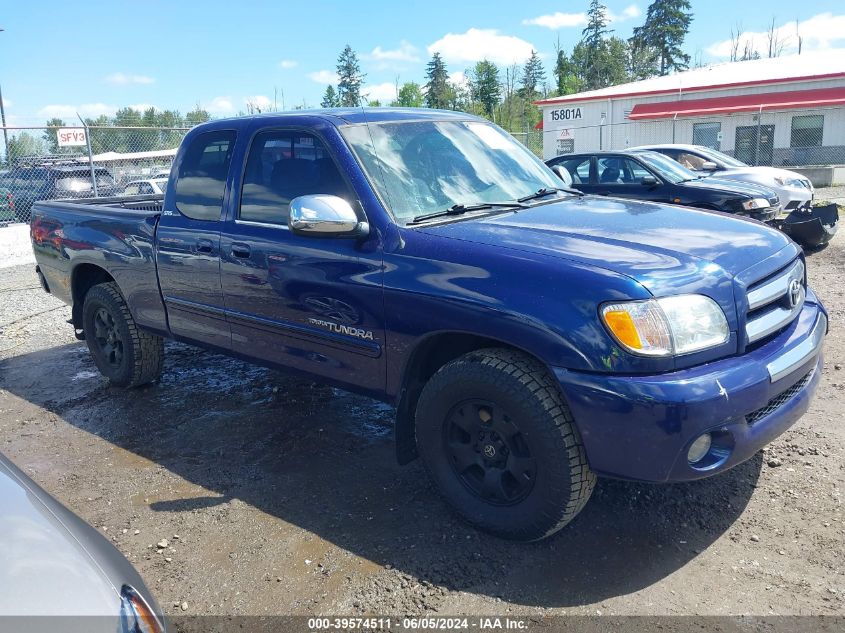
pixel 52 181
pixel 644 175
pixel 53 563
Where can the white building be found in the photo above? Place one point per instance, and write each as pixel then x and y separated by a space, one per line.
pixel 783 111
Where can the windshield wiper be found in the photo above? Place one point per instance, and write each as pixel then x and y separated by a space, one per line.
pixel 459 209
pixel 545 191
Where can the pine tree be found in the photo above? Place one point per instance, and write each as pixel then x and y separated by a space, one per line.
pixel 350 78
pixel 643 58
pixel 533 76
pixel 51 134
pixel 329 98
pixel 485 87
pixel 568 75
pixel 437 91
pixel 666 25
pixel 593 46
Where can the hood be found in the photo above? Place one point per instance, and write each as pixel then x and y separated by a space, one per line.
pixel 762 173
pixel 666 248
pixel 52 562
pixel 731 187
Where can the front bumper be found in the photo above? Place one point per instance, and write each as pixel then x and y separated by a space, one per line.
pixel 641 427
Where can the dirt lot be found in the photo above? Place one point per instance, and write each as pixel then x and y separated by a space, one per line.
pixel 276 495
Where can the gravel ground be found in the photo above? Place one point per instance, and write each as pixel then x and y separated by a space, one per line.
pixel 239 490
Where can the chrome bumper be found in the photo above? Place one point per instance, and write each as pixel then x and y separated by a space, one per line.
pixel 801 353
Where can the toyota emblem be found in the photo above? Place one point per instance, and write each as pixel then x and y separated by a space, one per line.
pixel 794 293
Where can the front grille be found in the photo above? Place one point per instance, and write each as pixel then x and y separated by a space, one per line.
pixel 779 400
pixel 792 205
pixel 773 201
pixel 774 302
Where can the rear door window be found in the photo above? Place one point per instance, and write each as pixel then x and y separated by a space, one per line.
pixel 617 170
pixel 201 180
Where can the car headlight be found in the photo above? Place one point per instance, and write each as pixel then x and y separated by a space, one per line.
pixel 668 326
pixel 136 616
pixel 755 203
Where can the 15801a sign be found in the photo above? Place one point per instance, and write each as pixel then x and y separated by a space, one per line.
pixel 565 114
pixel 70 137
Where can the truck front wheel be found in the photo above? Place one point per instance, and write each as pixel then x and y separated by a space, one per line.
pixel 501 445
pixel 124 354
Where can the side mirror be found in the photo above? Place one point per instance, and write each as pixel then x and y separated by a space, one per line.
pixel 563 173
pixel 649 181
pixel 325 216
pixel 709 165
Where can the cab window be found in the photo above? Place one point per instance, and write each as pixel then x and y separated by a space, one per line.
pixel 201 180
pixel 578 168
pixel 283 165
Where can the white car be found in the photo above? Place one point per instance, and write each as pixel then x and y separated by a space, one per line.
pixel 145 187
pixel 794 190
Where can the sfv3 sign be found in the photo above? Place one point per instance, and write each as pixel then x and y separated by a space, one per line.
pixel 71 137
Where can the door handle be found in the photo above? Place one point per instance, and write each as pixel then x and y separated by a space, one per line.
pixel 240 250
pixel 204 246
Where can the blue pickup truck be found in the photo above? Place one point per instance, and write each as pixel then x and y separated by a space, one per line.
pixel 531 337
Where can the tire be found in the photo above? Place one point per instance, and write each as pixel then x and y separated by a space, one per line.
pixel 535 478
pixel 126 355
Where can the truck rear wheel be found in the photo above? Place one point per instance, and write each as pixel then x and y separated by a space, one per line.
pixel 501 445
pixel 124 354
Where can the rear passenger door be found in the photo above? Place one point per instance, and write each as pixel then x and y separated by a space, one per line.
pixel 188 241
pixel 310 303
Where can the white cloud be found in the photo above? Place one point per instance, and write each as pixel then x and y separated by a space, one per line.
pixel 459 79
pixel 142 107
pixel 323 77
pixel 628 13
pixel 70 111
pixel 818 32
pixel 220 105
pixel 560 20
pixel 287 64
pixel 259 102
pixel 478 44
pixel 123 79
pixel 405 53
pixel 7 103
pixel 385 93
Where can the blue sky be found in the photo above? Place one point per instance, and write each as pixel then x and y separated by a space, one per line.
pixel 98 56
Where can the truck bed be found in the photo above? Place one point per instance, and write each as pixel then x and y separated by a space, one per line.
pixel 114 234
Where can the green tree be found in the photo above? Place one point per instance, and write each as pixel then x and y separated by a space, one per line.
pixel 533 77
pixel 643 58
pixel 330 99
pixel 568 76
pixel 666 26
pixel 485 87
pixel 593 48
pixel 25 144
pixel 350 78
pixel 409 96
pixel 51 135
pixel 197 116
pixel 437 89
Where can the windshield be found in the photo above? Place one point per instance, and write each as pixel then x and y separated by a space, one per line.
pixel 719 157
pixel 421 167
pixel 667 168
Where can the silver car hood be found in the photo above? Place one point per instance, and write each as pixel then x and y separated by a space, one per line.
pixel 759 172
pixel 52 562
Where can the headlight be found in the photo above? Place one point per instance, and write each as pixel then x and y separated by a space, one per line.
pixel 136 616
pixel 662 327
pixel 755 203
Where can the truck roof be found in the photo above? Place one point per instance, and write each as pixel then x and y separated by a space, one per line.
pixel 341 116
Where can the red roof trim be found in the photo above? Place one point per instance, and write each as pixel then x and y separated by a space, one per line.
pixel 758 82
pixel 739 103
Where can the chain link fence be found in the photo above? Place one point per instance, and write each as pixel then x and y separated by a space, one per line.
pixel 103 161
pixel 788 138
pixel 533 140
